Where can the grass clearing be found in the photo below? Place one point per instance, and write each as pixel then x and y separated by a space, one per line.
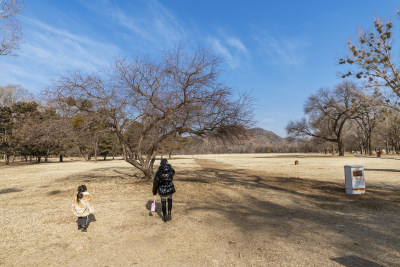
pixel 236 210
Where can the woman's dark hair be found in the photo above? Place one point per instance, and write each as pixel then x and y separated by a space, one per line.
pixel 163 162
pixel 81 188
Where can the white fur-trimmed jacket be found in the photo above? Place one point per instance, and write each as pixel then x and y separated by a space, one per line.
pixel 84 206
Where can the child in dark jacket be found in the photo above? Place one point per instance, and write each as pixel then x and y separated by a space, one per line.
pixel 165 187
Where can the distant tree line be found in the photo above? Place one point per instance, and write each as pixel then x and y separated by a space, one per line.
pixel 35 132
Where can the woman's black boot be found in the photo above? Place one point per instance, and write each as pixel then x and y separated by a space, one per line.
pixel 164 209
pixel 169 208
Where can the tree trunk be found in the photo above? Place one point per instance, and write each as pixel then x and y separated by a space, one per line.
pixel 124 152
pixel 61 158
pixel 341 148
pixel 96 148
pixel 148 174
pixel 146 169
pixel 7 159
pixel 39 158
pixel 83 154
pixel 113 151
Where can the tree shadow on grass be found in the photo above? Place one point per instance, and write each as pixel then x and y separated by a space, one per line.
pixel 54 192
pixel 321 191
pixel 354 260
pixel 10 190
pixel 316 206
pixel 382 170
pixel 120 174
pixel 292 156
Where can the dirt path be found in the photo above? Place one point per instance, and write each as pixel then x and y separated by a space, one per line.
pixel 223 214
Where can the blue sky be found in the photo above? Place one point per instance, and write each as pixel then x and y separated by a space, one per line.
pixel 279 51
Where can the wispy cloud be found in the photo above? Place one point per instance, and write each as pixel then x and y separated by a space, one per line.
pixel 30 78
pixel 281 50
pixel 222 50
pixel 267 120
pixel 48 50
pixel 236 43
pixel 230 48
pixel 147 21
pixel 61 49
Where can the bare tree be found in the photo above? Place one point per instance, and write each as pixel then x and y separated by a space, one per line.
pixel 178 93
pixel 375 61
pixel 54 133
pixel 367 118
pixel 390 131
pixel 12 119
pixel 328 112
pixel 11 94
pixel 10 33
pixel 88 128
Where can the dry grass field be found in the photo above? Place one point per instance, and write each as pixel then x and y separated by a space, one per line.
pixel 229 210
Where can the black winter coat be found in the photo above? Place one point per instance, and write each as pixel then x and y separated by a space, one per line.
pixel 163 180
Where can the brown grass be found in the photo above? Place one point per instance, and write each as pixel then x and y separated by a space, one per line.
pixel 229 210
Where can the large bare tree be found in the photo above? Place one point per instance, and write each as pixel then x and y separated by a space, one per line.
pixel 10 33
pixel 154 99
pixel 327 112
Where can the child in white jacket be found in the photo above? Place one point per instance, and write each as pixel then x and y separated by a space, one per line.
pixel 82 207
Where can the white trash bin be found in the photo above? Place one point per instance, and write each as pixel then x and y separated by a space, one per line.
pixel 354 176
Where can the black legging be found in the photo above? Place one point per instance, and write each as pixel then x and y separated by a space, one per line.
pixel 164 205
pixel 83 221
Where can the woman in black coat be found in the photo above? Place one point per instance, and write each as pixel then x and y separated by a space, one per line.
pixel 165 187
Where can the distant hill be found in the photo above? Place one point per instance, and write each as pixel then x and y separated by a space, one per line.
pixel 264 136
